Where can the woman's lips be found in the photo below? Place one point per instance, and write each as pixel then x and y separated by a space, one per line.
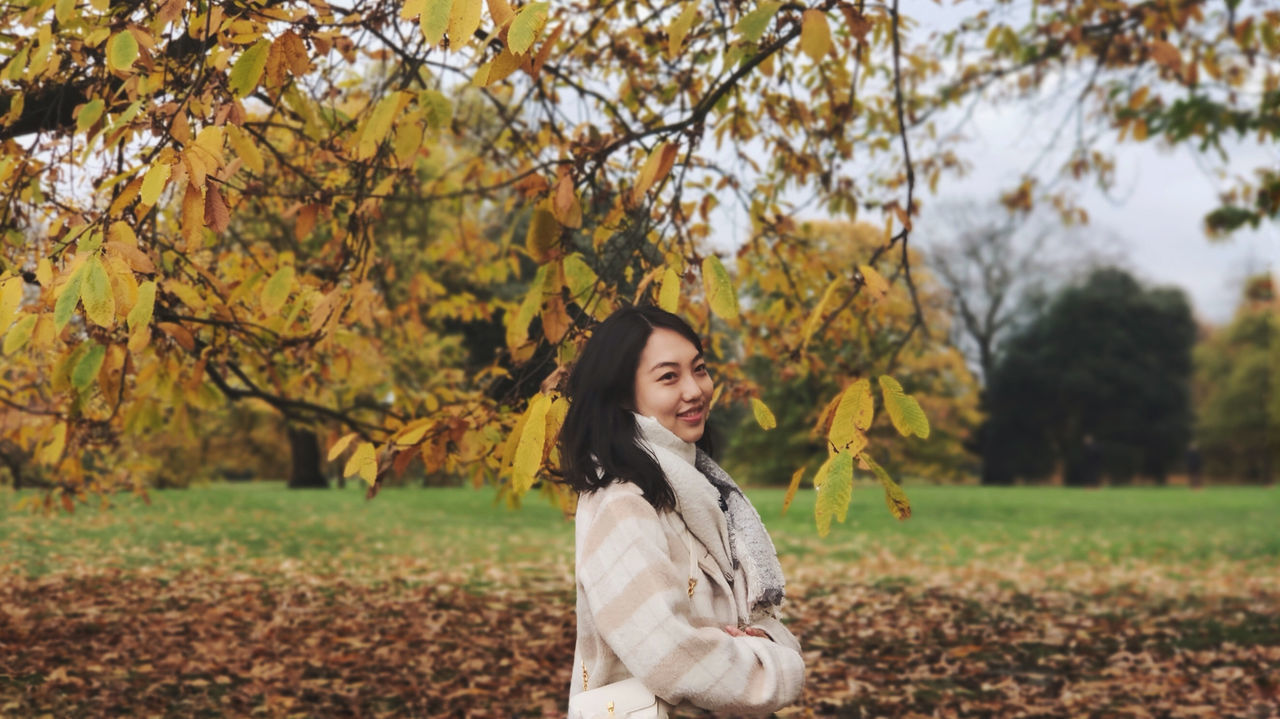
pixel 692 417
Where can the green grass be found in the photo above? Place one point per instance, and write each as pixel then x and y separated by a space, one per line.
pixel 257 525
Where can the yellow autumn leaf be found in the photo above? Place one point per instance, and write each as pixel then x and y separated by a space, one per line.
pixel 18 335
pixel 363 463
pixel 791 489
pixel 140 316
pixel 341 445
pixel 153 183
pixel 10 299
pixel 894 497
pixel 877 285
pixel 464 18
pixel 276 291
pixel 543 234
pixel 526 26
pixel 904 411
pixel 815 317
pixel 835 490
pixel 669 290
pixel 815 35
pixel 679 29
pixel 434 20
pixel 378 125
pixel 764 416
pixel 528 456
pixel 246 149
pixel 99 303
pixel 721 296
pixel 413 432
pixel 52 452
pixel 655 168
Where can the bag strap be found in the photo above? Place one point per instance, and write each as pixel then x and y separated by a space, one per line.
pixel 693 565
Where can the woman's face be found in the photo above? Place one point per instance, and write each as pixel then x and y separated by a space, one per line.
pixel 672 384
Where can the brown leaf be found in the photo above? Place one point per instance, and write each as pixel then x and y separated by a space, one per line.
pixel 215 209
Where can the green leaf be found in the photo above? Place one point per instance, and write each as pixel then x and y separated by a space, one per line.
pixel 99 303
pixel 247 71
pixel 752 25
pixel 904 411
pixel 87 366
pixel 764 416
pixel 434 20
pixel 277 290
pixel 835 491
pixel 719 288
pixel 89 114
pixel 18 335
pixel 140 314
pixel 526 26
pixel 122 50
pixel 439 109
pixel 67 300
pixel 579 276
pixel 529 450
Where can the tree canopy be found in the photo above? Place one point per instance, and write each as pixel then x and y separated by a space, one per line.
pixel 388 222
pixel 1105 369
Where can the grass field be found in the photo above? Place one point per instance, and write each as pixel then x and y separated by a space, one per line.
pixel 241 525
pixel 253 600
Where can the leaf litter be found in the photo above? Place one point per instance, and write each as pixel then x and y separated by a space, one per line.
pixel 882 637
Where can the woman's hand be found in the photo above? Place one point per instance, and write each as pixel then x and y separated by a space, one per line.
pixel 745 631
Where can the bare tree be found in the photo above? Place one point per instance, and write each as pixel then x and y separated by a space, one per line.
pixel 999 266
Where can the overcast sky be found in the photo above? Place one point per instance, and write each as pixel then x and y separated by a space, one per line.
pixel 1159 201
pixel 1155 210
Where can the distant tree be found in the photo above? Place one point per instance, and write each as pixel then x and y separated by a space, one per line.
pixel 844 346
pixel 1107 363
pixel 999 267
pixel 1237 380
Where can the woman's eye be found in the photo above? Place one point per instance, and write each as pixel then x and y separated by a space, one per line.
pixel 667 376
pixel 700 369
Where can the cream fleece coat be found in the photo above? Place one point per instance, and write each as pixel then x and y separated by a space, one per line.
pixel 636 616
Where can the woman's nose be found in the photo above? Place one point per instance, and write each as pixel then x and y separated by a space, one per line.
pixel 690 389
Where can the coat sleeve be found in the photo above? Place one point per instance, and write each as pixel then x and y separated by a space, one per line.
pixel 639 603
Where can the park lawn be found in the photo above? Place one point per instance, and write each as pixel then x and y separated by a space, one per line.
pixel 254 600
pixel 243 526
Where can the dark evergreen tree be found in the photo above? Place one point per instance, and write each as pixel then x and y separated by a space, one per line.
pixel 1098 383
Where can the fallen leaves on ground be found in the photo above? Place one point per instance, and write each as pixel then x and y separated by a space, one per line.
pixel 426 643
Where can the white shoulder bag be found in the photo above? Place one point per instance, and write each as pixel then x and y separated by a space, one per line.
pixel 629 698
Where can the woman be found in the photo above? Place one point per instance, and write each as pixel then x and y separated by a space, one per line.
pixel 678 584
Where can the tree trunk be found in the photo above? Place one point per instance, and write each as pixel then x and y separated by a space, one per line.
pixel 305 449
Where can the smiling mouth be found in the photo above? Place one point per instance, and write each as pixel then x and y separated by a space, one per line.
pixel 693 415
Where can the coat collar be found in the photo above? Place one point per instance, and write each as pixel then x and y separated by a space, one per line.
pixel 697 500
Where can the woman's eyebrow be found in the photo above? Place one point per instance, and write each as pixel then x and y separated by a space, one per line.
pixel 670 363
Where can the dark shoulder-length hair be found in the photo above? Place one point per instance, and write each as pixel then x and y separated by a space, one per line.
pixel 598 440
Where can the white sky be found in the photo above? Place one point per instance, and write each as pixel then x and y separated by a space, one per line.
pixel 1159 200
pixel 1156 208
